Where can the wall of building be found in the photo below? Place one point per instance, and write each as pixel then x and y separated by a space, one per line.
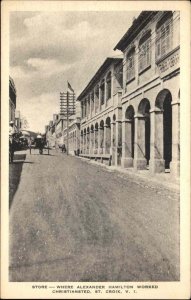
pixel 151 101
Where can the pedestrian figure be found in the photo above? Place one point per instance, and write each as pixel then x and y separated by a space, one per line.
pixel 12 132
pixel 30 144
pixel 40 144
pixel 63 148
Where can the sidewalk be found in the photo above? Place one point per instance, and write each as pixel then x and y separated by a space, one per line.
pixel 163 180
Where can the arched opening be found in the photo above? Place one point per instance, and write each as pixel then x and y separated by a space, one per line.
pixel 108 86
pixel 96 137
pixel 108 135
pixel 129 115
pixel 163 102
pixel 88 139
pixel 101 132
pixel 143 109
pixel 92 139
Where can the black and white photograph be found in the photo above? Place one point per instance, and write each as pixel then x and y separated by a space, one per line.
pixel 93 199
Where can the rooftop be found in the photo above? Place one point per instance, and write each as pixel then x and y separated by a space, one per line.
pixel 142 20
pixel 108 61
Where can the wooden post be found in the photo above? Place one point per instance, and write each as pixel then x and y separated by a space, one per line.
pixel 67 107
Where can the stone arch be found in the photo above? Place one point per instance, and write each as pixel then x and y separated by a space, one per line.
pixel 96 126
pixel 96 137
pixel 162 95
pixel 102 123
pixel 108 121
pixel 108 135
pixel 163 102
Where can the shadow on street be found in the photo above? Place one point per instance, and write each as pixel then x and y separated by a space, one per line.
pixel 15 170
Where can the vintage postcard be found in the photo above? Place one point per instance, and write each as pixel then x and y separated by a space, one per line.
pixel 96 170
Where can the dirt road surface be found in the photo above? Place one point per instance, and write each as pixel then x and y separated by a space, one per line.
pixel 71 220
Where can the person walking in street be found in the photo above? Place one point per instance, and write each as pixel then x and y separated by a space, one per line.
pixel 12 132
pixel 39 143
pixel 30 144
pixel 63 148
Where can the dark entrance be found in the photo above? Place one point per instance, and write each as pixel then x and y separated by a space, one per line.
pixel 167 130
pixel 130 116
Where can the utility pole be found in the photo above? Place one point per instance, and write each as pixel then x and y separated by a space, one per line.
pixel 67 109
pixel 67 147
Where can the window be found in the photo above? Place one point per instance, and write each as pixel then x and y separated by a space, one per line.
pixel 164 31
pixel 96 98
pixel 108 90
pixel 144 52
pixel 82 109
pixel 92 101
pixel 131 65
pixel 85 108
pixel 102 91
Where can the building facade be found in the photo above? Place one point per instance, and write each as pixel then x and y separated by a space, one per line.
pixel 12 99
pixel 73 135
pixel 50 134
pixel 18 121
pixel 151 93
pixel 101 112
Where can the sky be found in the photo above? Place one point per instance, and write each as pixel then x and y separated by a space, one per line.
pixel 47 49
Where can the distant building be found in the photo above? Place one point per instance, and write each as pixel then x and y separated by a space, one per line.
pixel 50 134
pixel 12 99
pixel 151 92
pixel 73 132
pixel 18 122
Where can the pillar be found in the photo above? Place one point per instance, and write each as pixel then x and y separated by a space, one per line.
pixel 107 139
pixel 156 163
pixel 140 163
pixel 127 155
pixel 101 140
pixel 92 141
pixel 81 143
pixel 88 142
pixel 113 142
pixel 84 143
pixel 118 151
pixel 95 141
pixel 175 163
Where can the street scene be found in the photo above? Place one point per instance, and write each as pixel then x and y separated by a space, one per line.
pixel 94 146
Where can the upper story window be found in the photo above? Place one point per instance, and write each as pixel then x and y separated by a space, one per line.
pixel 164 31
pixel 145 51
pixel 108 89
pixel 92 101
pixel 102 92
pixel 85 108
pixel 130 64
pixel 88 105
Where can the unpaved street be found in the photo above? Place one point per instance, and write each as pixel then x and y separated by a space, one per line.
pixel 71 220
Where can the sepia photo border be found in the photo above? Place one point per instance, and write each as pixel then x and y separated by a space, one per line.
pixel 164 290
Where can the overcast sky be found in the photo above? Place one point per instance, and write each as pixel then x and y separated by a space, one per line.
pixel 47 49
